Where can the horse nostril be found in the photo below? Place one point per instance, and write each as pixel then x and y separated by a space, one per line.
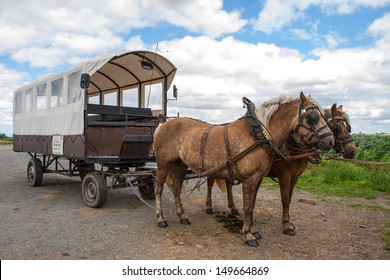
pixel 331 144
pixel 353 153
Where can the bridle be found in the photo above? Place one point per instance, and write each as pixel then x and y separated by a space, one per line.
pixel 336 126
pixel 312 119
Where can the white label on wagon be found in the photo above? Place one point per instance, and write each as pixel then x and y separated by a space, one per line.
pixel 58 145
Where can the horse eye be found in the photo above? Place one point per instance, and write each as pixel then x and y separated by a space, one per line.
pixel 313 118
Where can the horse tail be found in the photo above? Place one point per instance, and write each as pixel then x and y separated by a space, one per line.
pixel 221 184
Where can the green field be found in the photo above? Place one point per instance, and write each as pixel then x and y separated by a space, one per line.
pixel 350 179
pixel 5 140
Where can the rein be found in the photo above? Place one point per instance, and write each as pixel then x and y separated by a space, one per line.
pixel 222 166
pixel 257 130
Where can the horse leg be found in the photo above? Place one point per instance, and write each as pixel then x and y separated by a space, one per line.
pixel 180 170
pixel 249 190
pixel 232 206
pixel 158 190
pixel 294 180
pixel 209 206
pixel 285 182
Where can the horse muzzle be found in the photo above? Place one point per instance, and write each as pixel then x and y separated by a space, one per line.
pixel 327 143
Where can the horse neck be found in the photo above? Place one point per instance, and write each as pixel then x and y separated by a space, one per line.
pixel 283 122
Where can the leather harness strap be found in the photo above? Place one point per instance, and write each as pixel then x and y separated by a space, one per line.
pixel 202 144
pixel 229 162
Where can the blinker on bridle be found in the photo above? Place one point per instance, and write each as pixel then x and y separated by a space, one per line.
pixel 312 119
pixel 337 129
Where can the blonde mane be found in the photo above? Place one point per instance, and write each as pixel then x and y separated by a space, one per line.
pixel 268 108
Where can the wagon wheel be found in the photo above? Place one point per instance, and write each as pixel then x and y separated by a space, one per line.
pixel 94 190
pixel 34 172
pixel 146 188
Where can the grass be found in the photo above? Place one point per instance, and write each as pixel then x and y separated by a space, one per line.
pixel 5 142
pixel 345 179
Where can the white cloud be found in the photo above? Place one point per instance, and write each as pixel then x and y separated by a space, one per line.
pixel 277 14
pixel 40 57
pixel 217 74
pixel 213 74
pixel 10 79
pixel 334 40
pixel 92 26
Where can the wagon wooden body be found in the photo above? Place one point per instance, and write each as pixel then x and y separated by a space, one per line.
pixel 95 120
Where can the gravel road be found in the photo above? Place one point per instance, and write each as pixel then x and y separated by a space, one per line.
pixel 52 222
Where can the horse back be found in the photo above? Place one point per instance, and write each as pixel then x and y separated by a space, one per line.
pixel 181 138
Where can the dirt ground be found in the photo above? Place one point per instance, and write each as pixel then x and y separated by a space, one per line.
pixel 52 222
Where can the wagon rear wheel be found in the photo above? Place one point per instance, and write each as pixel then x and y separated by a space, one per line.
pixel 94 190
pixel 34 172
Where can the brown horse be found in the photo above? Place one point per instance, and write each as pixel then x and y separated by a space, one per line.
pixel 178 146
pixel 288 172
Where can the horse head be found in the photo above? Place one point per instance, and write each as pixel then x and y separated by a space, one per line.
pixel 338 121
pixel 312 127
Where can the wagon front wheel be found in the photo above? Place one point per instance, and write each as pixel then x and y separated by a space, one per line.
pixel 34 172
pixel 94 190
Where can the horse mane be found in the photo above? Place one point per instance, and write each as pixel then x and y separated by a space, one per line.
pixel 268 108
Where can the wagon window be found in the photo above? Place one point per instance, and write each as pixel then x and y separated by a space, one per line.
pixel 95 99
pixel 74 90
pixel 110 98
pixel 29 100
pixel 57 92
pixel 18 102
pixel 130 97
pixel 153 95
pixel 41 96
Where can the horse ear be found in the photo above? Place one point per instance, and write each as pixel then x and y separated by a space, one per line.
pixel 333 109
pixel 302 97
pixel 340 107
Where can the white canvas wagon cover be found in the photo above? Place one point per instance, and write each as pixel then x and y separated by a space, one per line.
pixel 55 104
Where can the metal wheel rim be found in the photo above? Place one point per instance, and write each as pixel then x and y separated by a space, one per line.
pixel 91 191
pixel 31 173
pixel 148 188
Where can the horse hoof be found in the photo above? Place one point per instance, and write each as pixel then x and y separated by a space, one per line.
pixel 288 231
pixel 257 235
pixel 235 212
pixel 210 211
pixel 162 224
pixel 185 222
pixel 252 243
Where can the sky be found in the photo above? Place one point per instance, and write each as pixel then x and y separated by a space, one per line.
pixel 338 51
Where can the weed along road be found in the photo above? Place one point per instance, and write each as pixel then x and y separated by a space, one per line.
pixel 52 222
